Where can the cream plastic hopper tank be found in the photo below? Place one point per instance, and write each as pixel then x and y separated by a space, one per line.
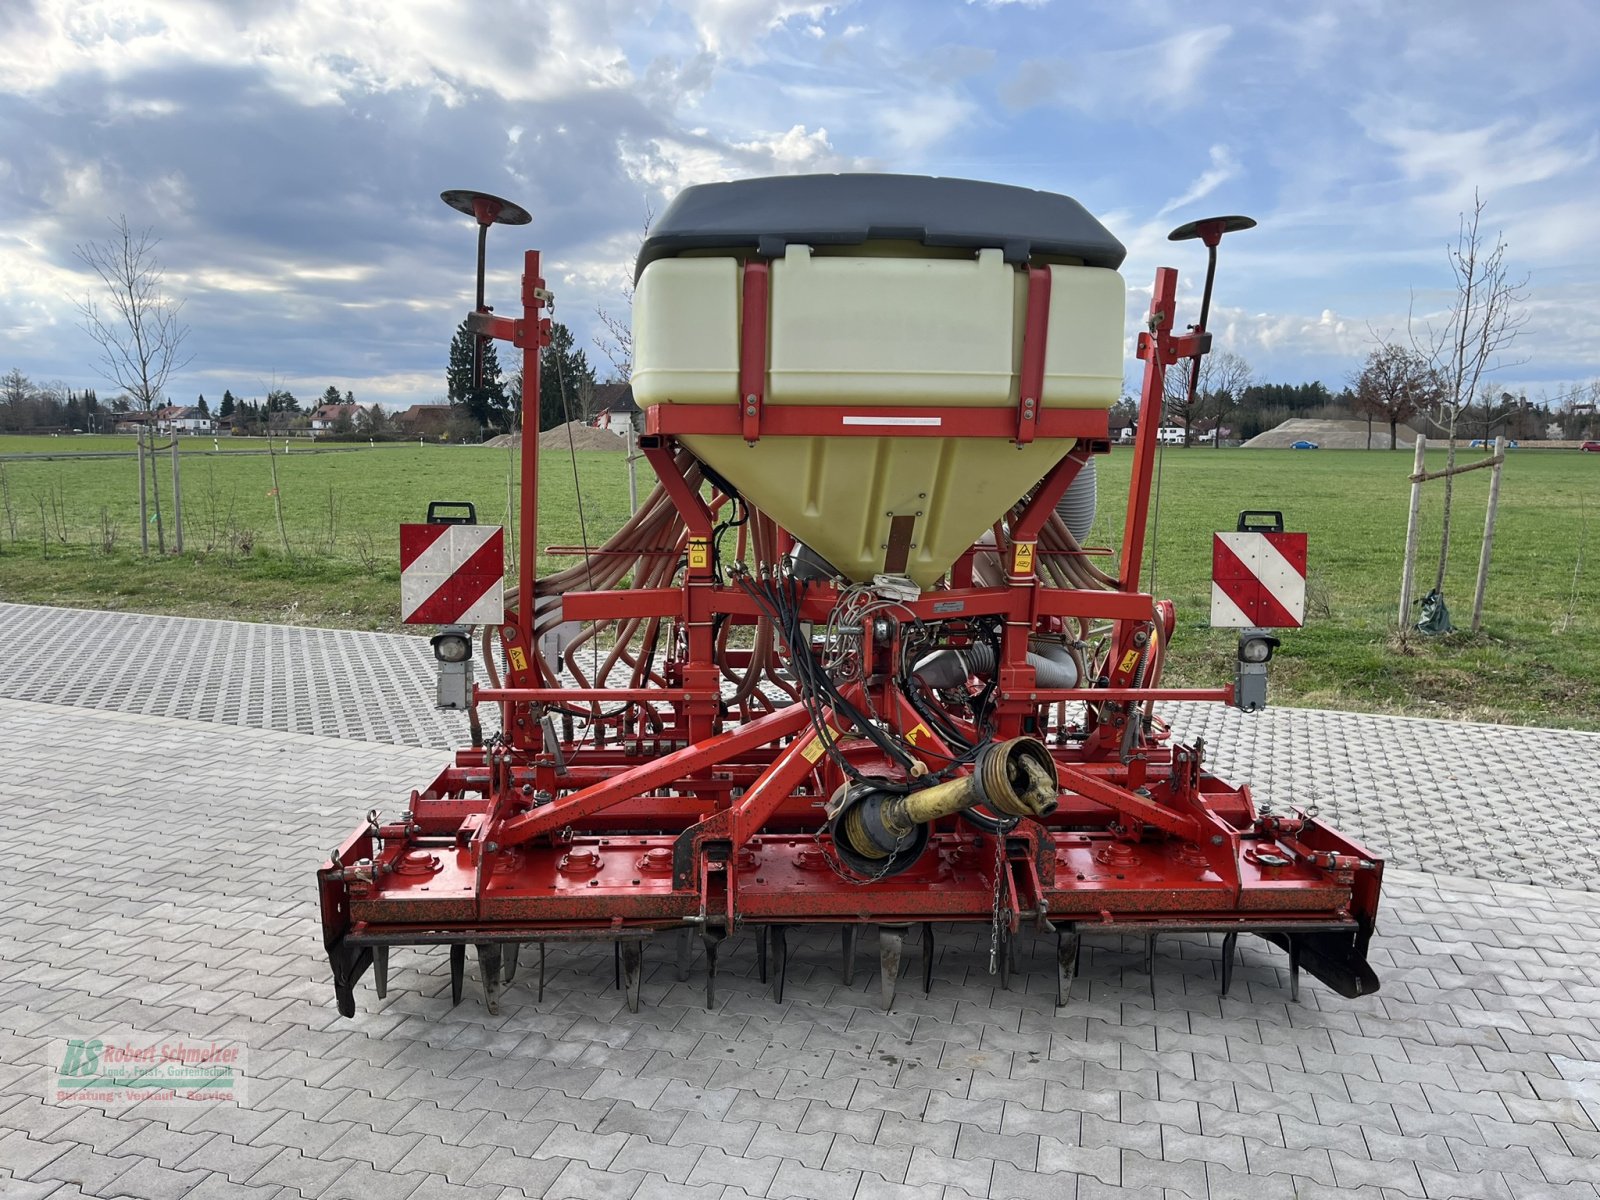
pixel 903 299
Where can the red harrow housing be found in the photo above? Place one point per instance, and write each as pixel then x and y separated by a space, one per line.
pixel 850 663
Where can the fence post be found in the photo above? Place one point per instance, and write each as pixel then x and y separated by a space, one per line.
pixel 1419 465
pixel 144 503
pixel 177 493
pixel 1488 534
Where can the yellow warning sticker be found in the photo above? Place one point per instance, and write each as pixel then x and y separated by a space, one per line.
pixel 1022 559
pixel 917 732
pixel 813 749
pixel 518 659
pixel 1128 659
pixel 699 553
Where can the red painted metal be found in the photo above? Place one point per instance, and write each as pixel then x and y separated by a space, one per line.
pixel 1036 333
pixel 754 278
pixel 796 420
pixel 679 794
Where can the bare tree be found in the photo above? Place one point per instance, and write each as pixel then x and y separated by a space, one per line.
pixel 616 343
pixel 137 325
pixel 1220 386
pixel 1395 384
pixel 1224 376
pixel 1484 320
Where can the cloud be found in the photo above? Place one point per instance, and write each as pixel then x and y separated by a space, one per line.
pixel 1502 154
pixel 1223 168
pixel 734 28
pixel 1137 77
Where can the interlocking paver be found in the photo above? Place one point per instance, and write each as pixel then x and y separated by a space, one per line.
pixel 1474 1072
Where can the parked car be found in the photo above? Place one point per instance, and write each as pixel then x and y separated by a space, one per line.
pixel 1483 444
pixel 1302 444
pixel 1592 447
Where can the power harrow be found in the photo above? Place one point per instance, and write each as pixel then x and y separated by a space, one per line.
pixel 851 662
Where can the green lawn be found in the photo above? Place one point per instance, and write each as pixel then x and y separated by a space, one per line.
pixel 1537 660
pixel 73 445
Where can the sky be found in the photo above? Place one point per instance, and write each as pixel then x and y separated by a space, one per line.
pixel 289 154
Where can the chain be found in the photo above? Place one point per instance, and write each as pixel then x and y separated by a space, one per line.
pixel 850 877
pixel 994 916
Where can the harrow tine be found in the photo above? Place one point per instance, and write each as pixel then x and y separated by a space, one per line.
pixel 685 952
pixel 1150 958
pixel 490 966
pixel 616 965
pixel 1230 942
pixel 509 954
pixel 891 944
pixel 458 971
pixel 1068 941
pixel 848 937
pixel 1294 968
pixel 380 970
pixel 927 957
pixel 631 953
pixel 779 943
pixel 712 940
pixel 541 971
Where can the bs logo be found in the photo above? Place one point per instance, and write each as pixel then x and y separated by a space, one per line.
pixel 82 1058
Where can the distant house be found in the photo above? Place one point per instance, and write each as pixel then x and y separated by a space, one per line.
pixel 424 420
pixel 132 422
pixel 615 408
pixel 326 417
pixel 181 419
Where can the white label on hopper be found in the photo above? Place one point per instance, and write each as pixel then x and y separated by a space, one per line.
pixel 892 420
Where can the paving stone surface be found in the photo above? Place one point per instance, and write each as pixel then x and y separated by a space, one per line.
pixel 159 885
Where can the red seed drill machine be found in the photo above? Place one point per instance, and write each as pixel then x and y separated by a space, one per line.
pixel 850 663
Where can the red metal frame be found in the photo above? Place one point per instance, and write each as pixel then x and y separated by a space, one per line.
pixel 673 810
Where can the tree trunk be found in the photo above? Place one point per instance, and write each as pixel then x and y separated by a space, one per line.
pixel 1394 435
pixel 155 492
pixel 144 500
pixel 1444 528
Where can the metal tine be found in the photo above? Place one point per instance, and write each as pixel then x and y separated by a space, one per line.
pixel 1294 968
pixel 458 971
pixel 1150 964
pixel 489 971
pixel 779 945
pixel 1230 942
pixel 848 937
pixel 509 953
pixel 616 965
pixel 380 970
pixel 711 940
pixel 927 958
pixel 631 953
pixel 891 946
pixel 541 971
pixel 1068 943
pixel 685 953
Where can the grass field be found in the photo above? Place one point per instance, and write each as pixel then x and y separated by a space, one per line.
pixel 1536 661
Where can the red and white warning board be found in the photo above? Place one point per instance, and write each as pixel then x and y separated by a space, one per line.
pixel 452 574
pixel 1258 579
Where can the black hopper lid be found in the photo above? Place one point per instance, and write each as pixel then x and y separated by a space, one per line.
pixel 846 210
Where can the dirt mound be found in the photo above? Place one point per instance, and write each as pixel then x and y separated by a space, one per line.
pixel 1330 435
pixel 583 437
